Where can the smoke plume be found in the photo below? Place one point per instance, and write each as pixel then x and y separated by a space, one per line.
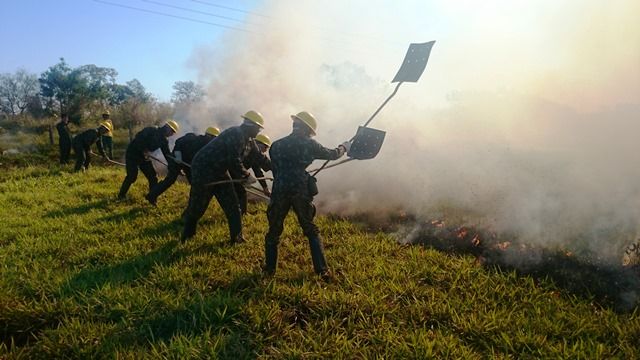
pixel 524 122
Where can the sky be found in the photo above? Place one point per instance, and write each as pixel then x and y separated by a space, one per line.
pixel 153 48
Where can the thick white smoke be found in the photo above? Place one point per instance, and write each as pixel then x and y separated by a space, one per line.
pixel 524 121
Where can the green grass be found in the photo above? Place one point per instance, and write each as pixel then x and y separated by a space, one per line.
pixel 85 276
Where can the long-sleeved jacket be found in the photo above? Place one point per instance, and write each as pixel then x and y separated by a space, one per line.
pixel 223 154
pixel 257 162
pixel 63 132
pixel 190 144
pixel 290 157
pixel 87 138
pixel 148 139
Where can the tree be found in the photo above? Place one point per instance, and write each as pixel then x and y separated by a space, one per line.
pixel 86 89
pixel 17 91
pixel 187 92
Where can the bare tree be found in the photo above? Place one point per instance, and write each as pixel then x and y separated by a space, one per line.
pixel 186 92
pixel 17 91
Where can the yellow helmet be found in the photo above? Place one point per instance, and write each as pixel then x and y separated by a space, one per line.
pixel 307 119
pixel 106 112
pixel 173 125
pixel 262 138
pixel 213 131
pixel 107 125
pixel 254 117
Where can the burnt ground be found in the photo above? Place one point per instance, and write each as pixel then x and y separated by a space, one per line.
pixel 586 275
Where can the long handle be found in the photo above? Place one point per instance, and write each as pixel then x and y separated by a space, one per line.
pixel 254 191
pixel 156 159
pixel 115 162
pixel 365 124
pixel 230 181
pixel 179 161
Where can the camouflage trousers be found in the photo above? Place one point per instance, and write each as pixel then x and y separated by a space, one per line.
pixel 107 144
pixel 65 151
pixel 199 198
pixel 241 193
pixel 83 157
pixel 305 212
pixel 170 179
pixel 132 166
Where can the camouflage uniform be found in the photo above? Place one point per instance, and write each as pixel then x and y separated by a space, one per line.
pixel 65 141
pixel 188 145
pixel 107 143
pixel 148 139
pixel 257 162
pixel 290 156
pixel 219 160
pixel 82 147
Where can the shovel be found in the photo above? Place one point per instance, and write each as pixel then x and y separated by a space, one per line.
pixel 367 142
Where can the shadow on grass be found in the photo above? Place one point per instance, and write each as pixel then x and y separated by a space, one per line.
pixel 172 227
pixel 123 216
pixel 78 210
pixel 120 273
pixel 218 315
pixel 608 285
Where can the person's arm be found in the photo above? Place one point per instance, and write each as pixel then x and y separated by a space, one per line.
pixel 235 151
pixel 164 147
pixel 99 145
pixel 323 153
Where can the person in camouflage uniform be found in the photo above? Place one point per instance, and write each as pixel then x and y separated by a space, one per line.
pixel 220 160
pixel 294 188
pixel 107 139
pixel 65 138
pixel 183 152
pixel 146 140
pixel 256 161
pixel 82 145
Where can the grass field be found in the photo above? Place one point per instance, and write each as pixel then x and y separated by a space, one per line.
pixel 86 276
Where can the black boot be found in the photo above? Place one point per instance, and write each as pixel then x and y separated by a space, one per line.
pixel 271 258
pixel 317 255
pixel 188 231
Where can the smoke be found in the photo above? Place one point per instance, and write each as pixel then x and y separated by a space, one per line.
pixel 524 121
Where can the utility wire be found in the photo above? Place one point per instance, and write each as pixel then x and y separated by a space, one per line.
pixel 170 15
pixel 193 11
pixel 344 44
pixel 229 8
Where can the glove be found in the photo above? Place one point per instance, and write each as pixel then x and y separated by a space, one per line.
pixel 346 145
pixel 249 180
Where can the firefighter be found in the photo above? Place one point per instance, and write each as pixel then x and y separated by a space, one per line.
pixel 257 161
pixel 146 141
pixel 220 160
pixel 184 150
pixel 65 138
pixel 82 145
pixel 294 187
pixel 107 139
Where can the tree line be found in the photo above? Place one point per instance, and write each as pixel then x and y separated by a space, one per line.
pixel 84 92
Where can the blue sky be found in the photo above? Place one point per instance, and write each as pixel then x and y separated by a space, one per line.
pixel 150 47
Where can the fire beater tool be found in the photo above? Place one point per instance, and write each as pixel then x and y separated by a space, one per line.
pixel 367 142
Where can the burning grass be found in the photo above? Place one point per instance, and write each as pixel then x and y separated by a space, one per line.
pixel 585 275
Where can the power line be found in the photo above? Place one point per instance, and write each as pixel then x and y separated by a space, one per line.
pixel 341 43
pixel 192 10
pixel 170 15
pixel 229 8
